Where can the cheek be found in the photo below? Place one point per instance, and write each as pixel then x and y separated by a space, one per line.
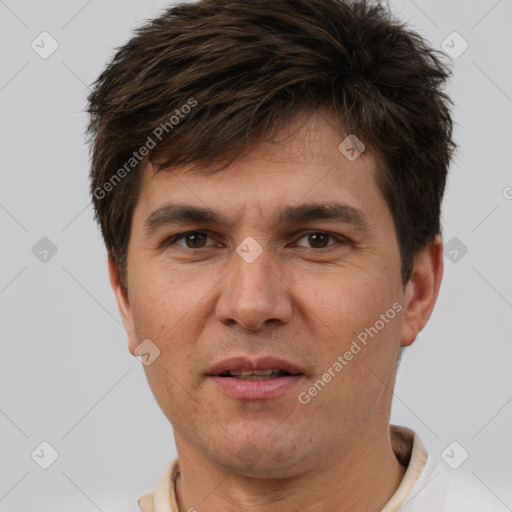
pixel 161 304
pixel 346 302
pixel 349 308
pixel 172 314
pixel 166 382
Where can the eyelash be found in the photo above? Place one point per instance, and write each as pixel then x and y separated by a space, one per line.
pixel 180 236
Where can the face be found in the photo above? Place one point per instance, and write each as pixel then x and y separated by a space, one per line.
pixel 272 290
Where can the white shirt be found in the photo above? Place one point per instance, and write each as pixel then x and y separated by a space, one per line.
pixel 427 486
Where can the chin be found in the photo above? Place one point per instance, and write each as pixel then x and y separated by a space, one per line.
pixel 257 457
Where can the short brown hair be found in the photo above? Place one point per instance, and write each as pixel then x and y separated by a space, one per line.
pixel 246 68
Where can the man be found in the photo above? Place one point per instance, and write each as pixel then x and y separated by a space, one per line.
pixel 268 177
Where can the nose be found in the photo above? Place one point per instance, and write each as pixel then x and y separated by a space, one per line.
pixel 253 295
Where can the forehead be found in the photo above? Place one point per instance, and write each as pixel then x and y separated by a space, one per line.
pixel 304 164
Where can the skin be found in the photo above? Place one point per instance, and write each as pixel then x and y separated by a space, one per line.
pixel 302 299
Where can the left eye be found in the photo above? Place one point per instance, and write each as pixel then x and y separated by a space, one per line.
pixel 317 240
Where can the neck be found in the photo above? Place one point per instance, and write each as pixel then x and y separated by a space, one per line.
pixel 363 477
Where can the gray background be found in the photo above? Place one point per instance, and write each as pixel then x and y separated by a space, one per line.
pixel 66 376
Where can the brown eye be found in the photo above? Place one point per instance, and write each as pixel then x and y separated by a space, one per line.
pixel 192 240
pixel 317 240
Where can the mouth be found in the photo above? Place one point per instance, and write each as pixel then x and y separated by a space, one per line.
pixel 256 374
pixel 255 379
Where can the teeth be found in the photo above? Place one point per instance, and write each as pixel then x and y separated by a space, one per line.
pixel 264 372
pixel 254 374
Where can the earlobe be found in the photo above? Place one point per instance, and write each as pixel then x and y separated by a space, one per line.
pixel 422 290
pixel 123 303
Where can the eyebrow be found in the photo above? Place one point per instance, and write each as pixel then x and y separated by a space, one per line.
pixel 171 214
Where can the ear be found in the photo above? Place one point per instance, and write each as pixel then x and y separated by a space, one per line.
pixel 123 304
pixel 422 290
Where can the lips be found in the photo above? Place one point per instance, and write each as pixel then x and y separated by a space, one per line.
pixel 255 374
pixel 252 369
pixel 263 378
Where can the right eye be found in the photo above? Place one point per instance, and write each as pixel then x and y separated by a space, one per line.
pixel 191 240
